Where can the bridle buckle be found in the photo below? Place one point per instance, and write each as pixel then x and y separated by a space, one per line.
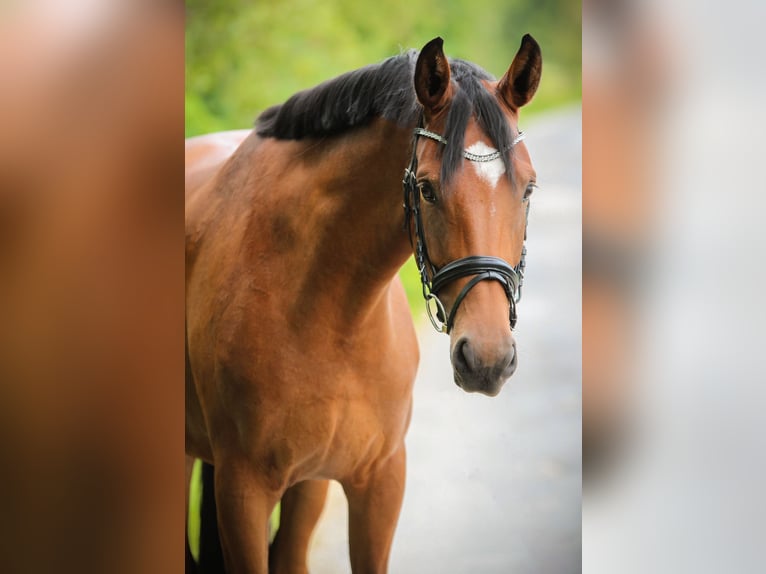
pixel 439 325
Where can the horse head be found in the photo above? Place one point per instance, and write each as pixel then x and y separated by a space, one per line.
pixel 467 197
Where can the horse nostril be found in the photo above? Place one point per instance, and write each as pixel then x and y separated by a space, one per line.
pixel 464 357
pixel 510 362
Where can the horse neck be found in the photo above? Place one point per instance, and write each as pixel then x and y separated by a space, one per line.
pixel 357 241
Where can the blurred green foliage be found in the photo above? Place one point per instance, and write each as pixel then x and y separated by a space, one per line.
pixel 244 56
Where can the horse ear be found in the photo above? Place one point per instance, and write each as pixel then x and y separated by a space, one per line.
pixel 432 76
pixel 519 84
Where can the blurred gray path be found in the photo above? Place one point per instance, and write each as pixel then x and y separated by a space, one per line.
pixel 493 484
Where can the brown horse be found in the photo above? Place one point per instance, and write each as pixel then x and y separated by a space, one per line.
pixel 301 351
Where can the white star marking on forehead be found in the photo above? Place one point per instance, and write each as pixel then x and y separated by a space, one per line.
pixel 489 171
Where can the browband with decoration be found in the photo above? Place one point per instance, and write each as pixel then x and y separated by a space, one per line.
pixel 467 154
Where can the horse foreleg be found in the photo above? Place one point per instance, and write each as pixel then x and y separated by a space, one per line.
pixel 373 512
pixel 301 508
pixel 244 506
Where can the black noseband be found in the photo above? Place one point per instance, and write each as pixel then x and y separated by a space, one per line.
pixel 479 267
pixel 483 268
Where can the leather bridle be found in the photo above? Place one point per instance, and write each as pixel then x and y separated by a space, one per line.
pixel 479 267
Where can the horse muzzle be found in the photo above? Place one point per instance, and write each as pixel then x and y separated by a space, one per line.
pixel 481 370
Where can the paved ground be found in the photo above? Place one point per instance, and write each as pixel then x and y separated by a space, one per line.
pixel 493 484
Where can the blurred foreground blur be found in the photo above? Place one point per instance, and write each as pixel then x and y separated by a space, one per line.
pixel 672 266
pixel 91 286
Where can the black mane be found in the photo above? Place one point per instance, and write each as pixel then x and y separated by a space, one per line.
pixel 387 90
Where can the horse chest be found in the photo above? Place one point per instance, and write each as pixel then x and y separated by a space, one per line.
pixel 346 418
pixel 329 419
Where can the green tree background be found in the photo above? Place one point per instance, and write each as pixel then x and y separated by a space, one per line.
pixel 244 56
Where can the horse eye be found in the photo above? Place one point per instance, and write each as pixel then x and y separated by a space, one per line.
pixel 530 188
pixel 427 191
